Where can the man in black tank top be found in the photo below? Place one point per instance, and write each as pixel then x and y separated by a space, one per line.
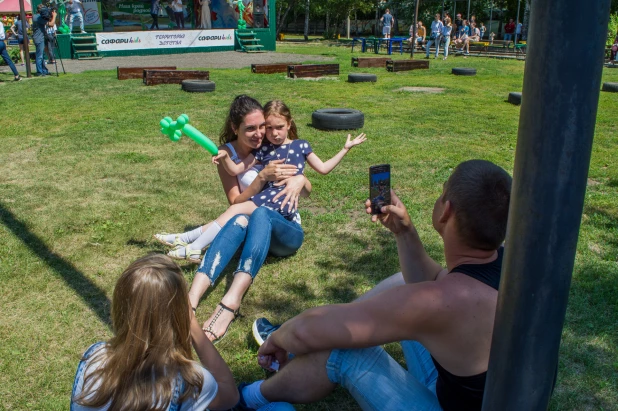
pixel 443 317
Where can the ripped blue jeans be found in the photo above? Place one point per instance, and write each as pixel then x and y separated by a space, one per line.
pixel 266 230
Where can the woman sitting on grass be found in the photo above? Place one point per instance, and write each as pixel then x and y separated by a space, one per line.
pixel 148 363
pixel 274 225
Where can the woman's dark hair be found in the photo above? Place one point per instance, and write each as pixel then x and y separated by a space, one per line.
pixel 240 107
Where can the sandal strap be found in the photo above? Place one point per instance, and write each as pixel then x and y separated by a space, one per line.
pixel 190 252
pixel 178 241
pixel 225 307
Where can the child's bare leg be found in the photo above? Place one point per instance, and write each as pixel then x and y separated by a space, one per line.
pixel 248 207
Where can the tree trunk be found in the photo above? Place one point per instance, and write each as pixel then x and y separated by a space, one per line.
pixel 306 30
pixel 327 25
pixel 280 26
pixel 356 23
pixel 377 20
pixel 524 30
pixel 295 21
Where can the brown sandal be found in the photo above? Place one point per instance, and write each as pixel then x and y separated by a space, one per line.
pixel 209 329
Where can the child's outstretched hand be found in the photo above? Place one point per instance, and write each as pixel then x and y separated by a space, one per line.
pixel 360 139
pixel 221 154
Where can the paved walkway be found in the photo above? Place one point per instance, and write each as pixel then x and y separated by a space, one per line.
pixel 221 59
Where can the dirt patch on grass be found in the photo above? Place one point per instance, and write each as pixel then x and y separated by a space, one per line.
pixel 433 90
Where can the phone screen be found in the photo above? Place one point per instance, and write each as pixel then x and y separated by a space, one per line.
pixel 379 187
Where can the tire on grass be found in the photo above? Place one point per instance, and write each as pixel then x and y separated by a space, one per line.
pixel 337 119
pixel 198 86
pixel 611 87
pixel 464 71
pixel 515 98
pixel 362 78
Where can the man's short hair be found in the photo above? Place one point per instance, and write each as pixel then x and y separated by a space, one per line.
pixel 479 192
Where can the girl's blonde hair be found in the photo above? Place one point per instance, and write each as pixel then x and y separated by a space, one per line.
pixel 151 344
pixel 447 20
pixel 278 108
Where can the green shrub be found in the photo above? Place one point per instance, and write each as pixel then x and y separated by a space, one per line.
pixel 612 28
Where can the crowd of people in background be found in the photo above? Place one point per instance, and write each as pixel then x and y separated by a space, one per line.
pixel 459 32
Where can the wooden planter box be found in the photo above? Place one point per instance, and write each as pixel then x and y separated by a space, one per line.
pixel 369 61
pixel 405 65
pixel 313 70
pixel 132 73
pixel 154 77
pixel 272 68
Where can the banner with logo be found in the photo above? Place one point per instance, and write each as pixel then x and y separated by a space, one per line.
pixel 164 39
pixel 92 15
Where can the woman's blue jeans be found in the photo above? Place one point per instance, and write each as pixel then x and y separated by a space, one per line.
pixel 7 58
pixel 266 230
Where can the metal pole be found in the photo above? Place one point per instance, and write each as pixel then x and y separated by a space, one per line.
pixel 413 46
pixel 468 18
pixel 24 23
pixel 442 15
pixel 556 128
pixel 517 21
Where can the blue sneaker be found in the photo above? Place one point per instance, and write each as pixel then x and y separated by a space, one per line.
pixel 262 329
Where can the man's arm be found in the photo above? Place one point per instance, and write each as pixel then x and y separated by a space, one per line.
pixel 411 311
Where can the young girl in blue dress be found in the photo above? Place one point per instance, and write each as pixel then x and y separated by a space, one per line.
pixel 283 144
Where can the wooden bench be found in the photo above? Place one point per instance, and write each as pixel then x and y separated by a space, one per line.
pixel 272 68
pixel 132 73
pixel 313 70
pixel 154 77
pixel 404 65
pixel 369 61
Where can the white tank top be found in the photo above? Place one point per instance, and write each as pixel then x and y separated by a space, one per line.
pixel 244 179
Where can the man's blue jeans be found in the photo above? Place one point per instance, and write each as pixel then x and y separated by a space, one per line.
pixel 377 382
pixel 266 230
pixel 40 58
pixel 73 17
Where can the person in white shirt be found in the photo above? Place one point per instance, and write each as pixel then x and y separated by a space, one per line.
pixel 434 37
pixel 178 13
pixel 475 35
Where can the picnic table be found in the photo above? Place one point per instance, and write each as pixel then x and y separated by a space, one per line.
pixel 389 44
pixel 365 41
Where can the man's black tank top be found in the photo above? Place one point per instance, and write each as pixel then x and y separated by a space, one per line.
pixel 466 393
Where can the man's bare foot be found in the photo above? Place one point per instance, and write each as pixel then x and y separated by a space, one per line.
pixel 217 325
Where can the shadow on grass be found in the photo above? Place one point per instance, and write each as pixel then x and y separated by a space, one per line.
pixel 589 339
pixel 89 292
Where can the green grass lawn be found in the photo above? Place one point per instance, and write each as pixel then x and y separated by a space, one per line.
pixel 86 179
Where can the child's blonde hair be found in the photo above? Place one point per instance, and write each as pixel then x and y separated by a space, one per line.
pixel 278 108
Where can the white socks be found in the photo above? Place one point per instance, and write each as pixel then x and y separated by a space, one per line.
pixel 206 237
pixel 253 397
pixel 191 236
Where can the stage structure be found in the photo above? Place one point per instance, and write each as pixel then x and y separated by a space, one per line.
pixel 122 28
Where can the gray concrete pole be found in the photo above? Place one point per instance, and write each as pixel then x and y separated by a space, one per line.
pixel 556 127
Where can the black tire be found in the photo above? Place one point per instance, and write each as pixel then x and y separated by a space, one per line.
pixel 464 71
pixel 611 87
pixel 337 119
pixel 362 78
pixel 515 98
pixel 198 86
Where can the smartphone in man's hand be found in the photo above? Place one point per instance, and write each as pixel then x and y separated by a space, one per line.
pixel 379 187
